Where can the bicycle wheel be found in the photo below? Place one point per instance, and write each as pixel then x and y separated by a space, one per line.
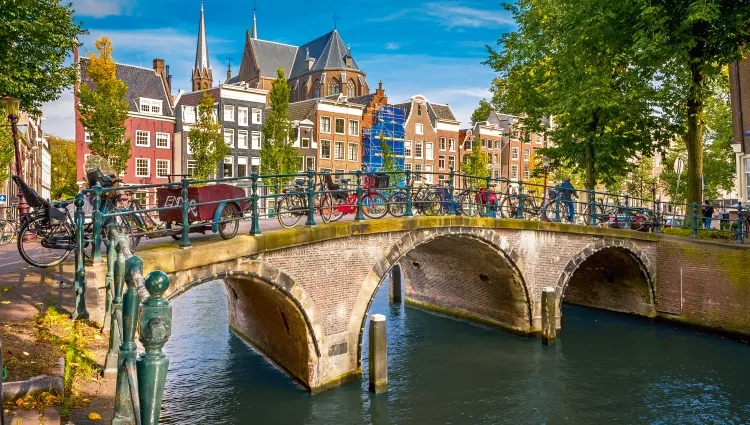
pixel 530 210
pixel 7 231
pixel 43 244
pixel 230 216
pixel 288 211
pixel 128 225
pixel 397 204
pixel 374 205
pixel 467 205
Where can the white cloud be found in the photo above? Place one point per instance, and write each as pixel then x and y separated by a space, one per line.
pixel 393 46
pixel 452 14
pixel 102 8
pixel 60 117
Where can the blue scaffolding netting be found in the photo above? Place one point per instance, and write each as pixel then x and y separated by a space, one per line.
pixel 389 121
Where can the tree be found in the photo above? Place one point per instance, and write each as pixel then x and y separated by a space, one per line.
pixel 278 155
pixel 63 153
pixel 476 165
pixel 690 41
pixel 206 143
pixel 482 112
pixel 103 108
pixel 638 182
pixel 575 60
pixel 7 151
pixel 37 36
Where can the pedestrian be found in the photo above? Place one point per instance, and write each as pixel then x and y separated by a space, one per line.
pixel 708 213
pixel 567 192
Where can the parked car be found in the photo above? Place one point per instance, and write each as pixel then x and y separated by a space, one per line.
pixel 641 219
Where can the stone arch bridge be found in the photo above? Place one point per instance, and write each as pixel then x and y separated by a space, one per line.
pixel 301 296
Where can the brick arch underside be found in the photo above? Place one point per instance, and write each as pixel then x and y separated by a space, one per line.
pixel 612 278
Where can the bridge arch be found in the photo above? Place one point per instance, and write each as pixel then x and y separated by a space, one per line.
pixel 610 274
pixel 499 261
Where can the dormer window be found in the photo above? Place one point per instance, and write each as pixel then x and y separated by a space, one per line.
pixel 150 106
pixel 419 110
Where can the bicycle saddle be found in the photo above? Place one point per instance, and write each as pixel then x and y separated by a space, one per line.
pixel 344 181
pixel 61 204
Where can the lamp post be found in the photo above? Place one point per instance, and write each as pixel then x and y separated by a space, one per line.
pixel 12 107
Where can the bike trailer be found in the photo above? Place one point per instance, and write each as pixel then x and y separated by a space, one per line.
pixel 172 197
pixel 481 197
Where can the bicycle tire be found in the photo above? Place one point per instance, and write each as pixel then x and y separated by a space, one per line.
pixel 370 199
pixel 397 204
pixel 467 205
pixel 229 215
pixel 285 211
pixel 39 227
pixel 7 231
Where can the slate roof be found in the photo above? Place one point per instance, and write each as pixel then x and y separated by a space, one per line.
pixel 194 98
pixel 141 82
pixel 442 112
pixel 362 100
pixel 301 110
pixel 270 56
pixel 406 106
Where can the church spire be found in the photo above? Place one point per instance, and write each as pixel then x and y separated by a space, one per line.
pixel 202 78
pixel 255 23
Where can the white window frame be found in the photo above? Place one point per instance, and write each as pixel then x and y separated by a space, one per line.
pixel 429 152
pixel 408 149
pixel 407 166
pixel 336 150
pixel 86 136
pixel 188 167
pixel 514 153
pixel 514 172
pixel 253 138
pixel 442 144
pixel 419 149
pixel 257 116
pixel 163 136
pixel 148 138
pixel 322 144
pixel 240 134
pixel 243 116
pixel 148 167
pixel 162 161
pixel 308 159
pixel 451 162
pixel 336 121
pixel 526 172
pixel 428 173
pixel 228 113
pixel 355 151
pixel 302 142
pixel 229 131
pixel 355 131
pixel 151 104
pixel 526 154
pixel 224 162
pixel 323 126
pixel 452 144
pixel 441 162
pixel 246 164
pixel 189 114
pixel 419 128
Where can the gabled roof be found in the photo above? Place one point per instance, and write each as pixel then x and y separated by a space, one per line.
pixel 442 112
pixel 328 51
pixel 362 100
pixel 299 111
pixel 194 98
pixel 141 82
pixel 270 56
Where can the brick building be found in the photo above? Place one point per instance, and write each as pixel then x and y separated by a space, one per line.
pixel 739 78
pixel 35 158
pixel 150 125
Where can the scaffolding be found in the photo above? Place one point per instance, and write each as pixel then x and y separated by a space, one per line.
pixel 388 121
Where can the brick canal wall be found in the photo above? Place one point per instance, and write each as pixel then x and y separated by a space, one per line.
pixel 712 280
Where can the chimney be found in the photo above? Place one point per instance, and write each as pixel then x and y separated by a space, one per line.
pixel 159 66
pixel 348 60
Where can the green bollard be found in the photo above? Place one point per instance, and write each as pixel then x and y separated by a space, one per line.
pixel 740 236
pixel 80 272
pixel 359 216
pixel 592 208
pixel 521 197
pixel 452 210
pixel 152 365
pixel 255 227
pixel 185 204
pixel 409 212
pixel 487 208
pixel 627 211
pixel 557 204
pixel 310 199
pixel 115 330
pixel 109 279
pixel 695 219
pixel 657 216
pixel 97 228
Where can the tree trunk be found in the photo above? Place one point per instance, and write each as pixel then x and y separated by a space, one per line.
pixel 590 173
pixel 694 138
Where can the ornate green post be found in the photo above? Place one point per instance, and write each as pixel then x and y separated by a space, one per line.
pixel 80 273
pixel 592 208
pixel 359 216
pixel 97 229
pixel 127 403
pixel 487 207
pixel 152 365
pixel 185 240
pixel 521 198
pixel 695 219
pixel 451 205
pixel 310 199
pixel 627 211
pixel 409 212
pixel 109 279
pixel 739 223
pixel 115 329
pixel 557 204
pixel 657 216
pixel 255 227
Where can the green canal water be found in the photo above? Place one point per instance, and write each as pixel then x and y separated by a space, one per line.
pixel 606 369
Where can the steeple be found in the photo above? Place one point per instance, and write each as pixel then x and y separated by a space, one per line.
pixel 202 76
pixel 255 24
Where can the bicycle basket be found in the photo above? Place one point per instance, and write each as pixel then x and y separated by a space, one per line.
pixel 376 181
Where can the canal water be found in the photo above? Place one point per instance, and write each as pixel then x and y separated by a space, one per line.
pixel 606 369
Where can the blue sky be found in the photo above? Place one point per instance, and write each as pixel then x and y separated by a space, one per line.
pixel 433 48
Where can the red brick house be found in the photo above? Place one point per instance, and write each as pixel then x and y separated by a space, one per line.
pixel 150 125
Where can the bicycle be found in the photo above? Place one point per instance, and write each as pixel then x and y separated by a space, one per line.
pixel 337 202
pixel 745 223
pixel 9 224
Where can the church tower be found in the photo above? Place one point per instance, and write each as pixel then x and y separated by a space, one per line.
pixel 202 76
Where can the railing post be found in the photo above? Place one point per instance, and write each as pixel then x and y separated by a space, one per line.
pixel 657 215
pixel 2 367
pixel 96 252
pixel 487 208
pixel 115 330
pixel 310 199
pixel 127 403
pixel 695 219
pixel 359 216
pixel 451 205
pixel 155 329
pixel 740 235
pixel 255 226
pixel 627 211
pixel 185 240
pixel 109 279
pixel 557 203
pixel 521 197
pixel 592 208
pixel 80 273
pixel 409 212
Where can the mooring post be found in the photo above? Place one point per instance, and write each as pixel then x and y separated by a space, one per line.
pixel 396 284
pixel 80 311
pixel 152 365
pixel 549 330
pixel 378 354
pixel 115 329
pixel 255 227
pixel 109 279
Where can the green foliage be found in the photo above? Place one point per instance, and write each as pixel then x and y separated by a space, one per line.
pixel 206 143
pixel 103 109
pixel 390 163
pixel 575 60
pixel 63 153
pixel 638 182
pixel 476 165
pixel 278 155
pixel 482 112
pixel 37 36
pixel 7 151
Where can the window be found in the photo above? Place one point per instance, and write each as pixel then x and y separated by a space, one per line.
pixel 418 150
pixel 229 137
pixel 407 149
pixel 257 116
pixel 526 172
pixel 162 140
pixel 516 134
pixel 354 152
pixel 417 168
pixel 334 87
pixel 228 166
pixel 497 144
pixel 351 89
pixel 441 162
pixel 442 144
pixel 325 124
pixel 162 168
pixel 484 143
pixel 242 115
pixel 514 172
pixel 188 114
pixel 407 166
pixel 142 167
pixel 255 165
pixel 428 151
pixel 452 162
pixel 242 139
pixel 420 127
pixel 419 110
pixel 340 123
pixel 87 137
pixel 526 154
pixel 192 165
pixel 514 153
pixel 428 173
pixel 338 152
pixel 242 166
pixel 497 158
pixel 255 140
pixel 305 143
pixel 150 106
pixel 325 149
pixel 496 174
pixel 452 145
pixel 142 138
pixel 310 163
pixel 316 88
pixel 353 128
pixel 228 113
pixel 538 139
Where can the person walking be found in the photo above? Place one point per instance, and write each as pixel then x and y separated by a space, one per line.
pixel 567 193
pixel 708 213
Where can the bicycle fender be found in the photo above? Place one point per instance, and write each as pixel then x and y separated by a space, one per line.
pixel 217 214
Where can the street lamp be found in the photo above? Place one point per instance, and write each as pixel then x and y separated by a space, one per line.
pixel 12 108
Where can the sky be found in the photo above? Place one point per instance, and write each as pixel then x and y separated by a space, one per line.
pixel 427 47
